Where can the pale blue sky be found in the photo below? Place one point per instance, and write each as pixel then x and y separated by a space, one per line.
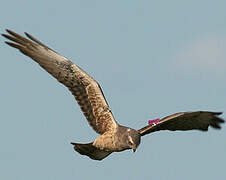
pixel 152 59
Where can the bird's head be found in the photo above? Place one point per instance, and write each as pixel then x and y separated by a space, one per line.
pixel 133 139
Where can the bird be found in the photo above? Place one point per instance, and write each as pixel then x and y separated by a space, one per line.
pixel 89 96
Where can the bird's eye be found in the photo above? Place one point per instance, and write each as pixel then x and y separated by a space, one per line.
pixel 130 140
pixel 130 143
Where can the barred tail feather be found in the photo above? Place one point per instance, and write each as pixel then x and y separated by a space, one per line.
pixel 90 150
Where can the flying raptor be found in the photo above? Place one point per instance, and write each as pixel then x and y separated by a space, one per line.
pixel 87 92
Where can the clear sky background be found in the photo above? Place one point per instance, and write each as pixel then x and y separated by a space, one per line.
pixel 152 59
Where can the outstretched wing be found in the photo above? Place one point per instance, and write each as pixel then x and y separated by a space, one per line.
pixel 184 121
pixel 85 89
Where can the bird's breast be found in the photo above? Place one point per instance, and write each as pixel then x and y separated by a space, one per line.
pixel 108 142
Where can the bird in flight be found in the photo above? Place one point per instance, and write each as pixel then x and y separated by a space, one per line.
pixel 88 94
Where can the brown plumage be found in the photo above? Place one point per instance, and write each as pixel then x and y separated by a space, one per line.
pixel 88 94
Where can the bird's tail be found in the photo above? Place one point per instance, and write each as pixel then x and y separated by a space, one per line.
pixel 90 150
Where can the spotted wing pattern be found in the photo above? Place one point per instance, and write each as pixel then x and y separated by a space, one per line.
pixel 184 121
pixel 85 89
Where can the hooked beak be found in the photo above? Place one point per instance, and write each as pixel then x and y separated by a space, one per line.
pixel 134 149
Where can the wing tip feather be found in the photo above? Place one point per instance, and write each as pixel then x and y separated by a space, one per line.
pixel 217 113
pixel 14 45
pixel 12 33
pixel 9 31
